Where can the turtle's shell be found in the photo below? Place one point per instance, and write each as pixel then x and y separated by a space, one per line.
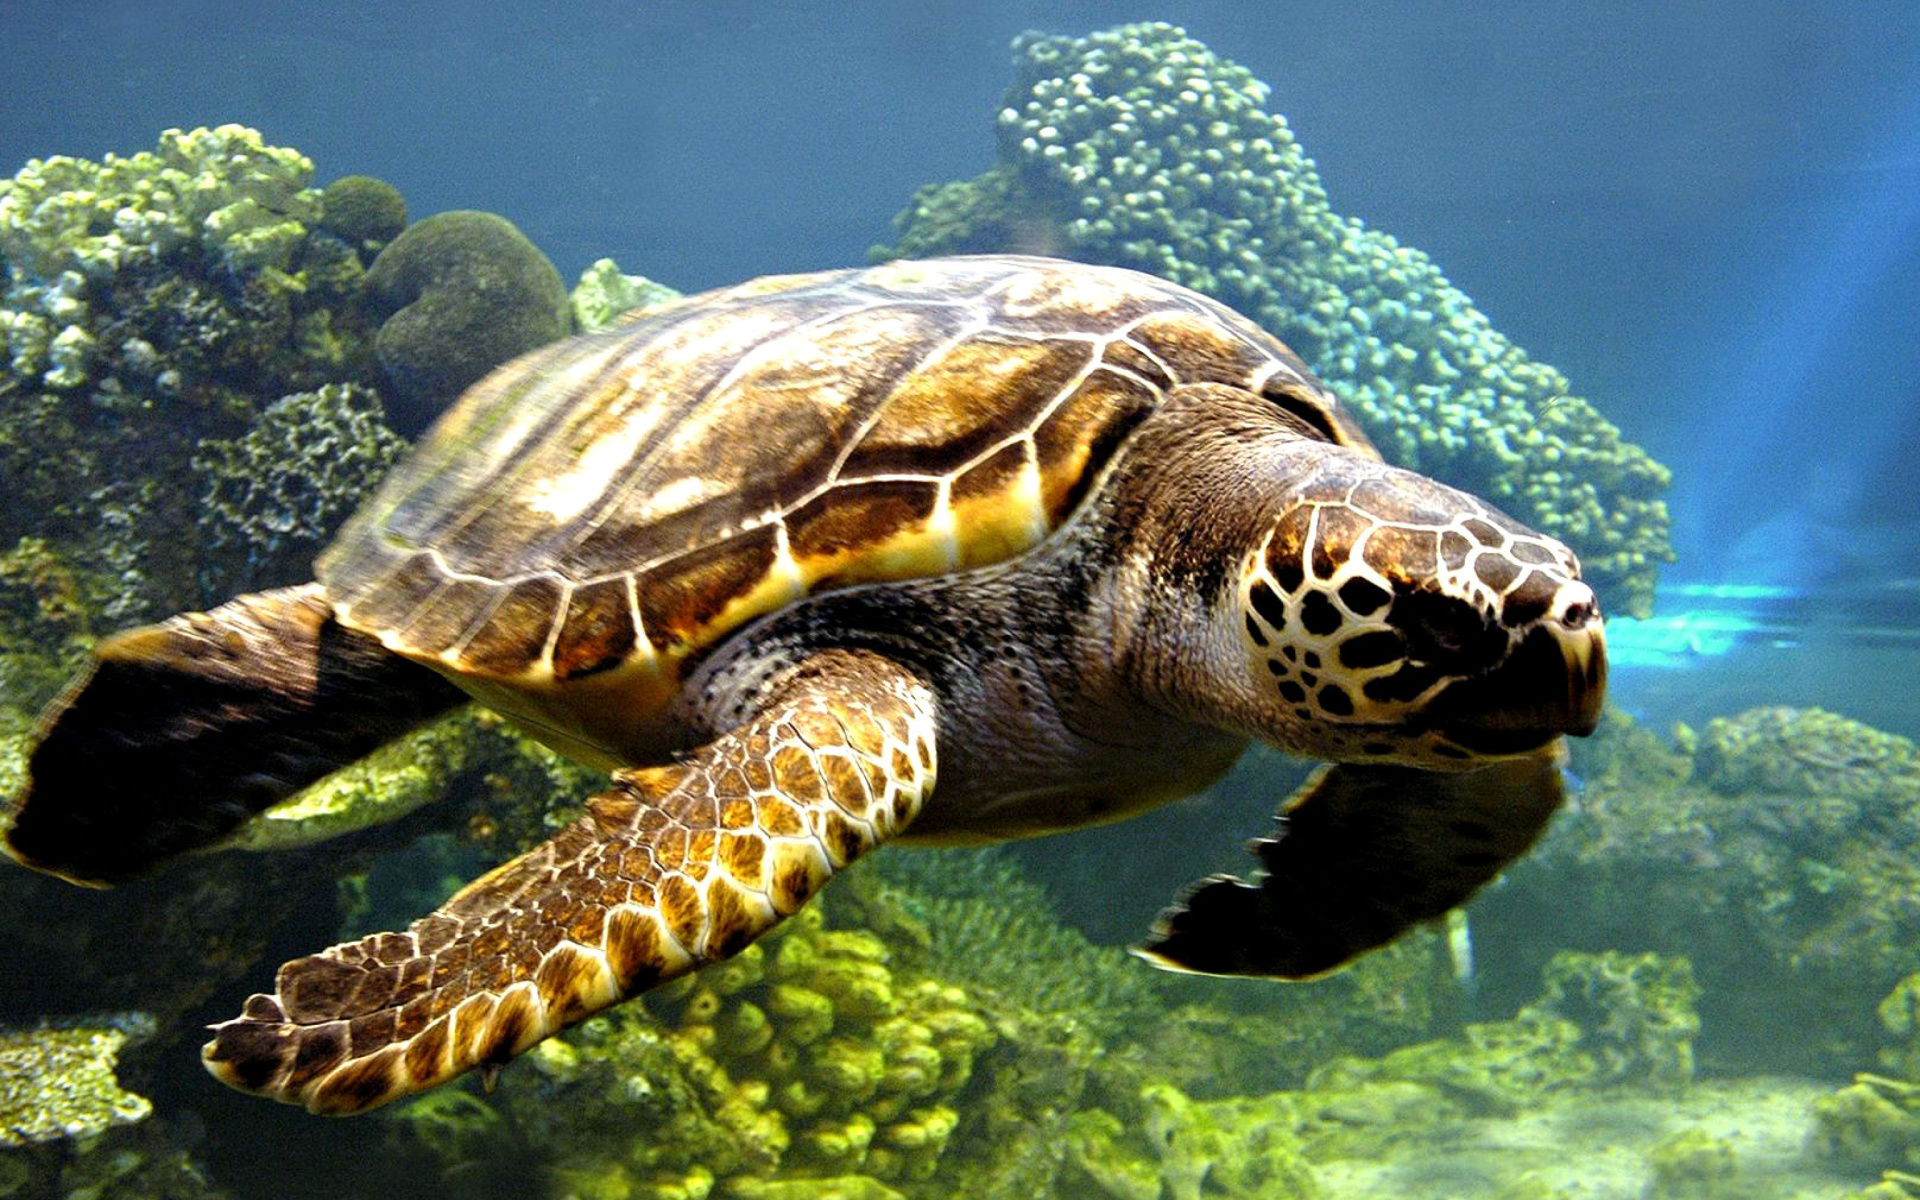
pixel 594 512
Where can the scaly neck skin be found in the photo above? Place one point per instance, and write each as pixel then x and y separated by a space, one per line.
pixel 1205 478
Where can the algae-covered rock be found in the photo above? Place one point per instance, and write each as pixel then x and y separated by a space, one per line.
pixel 1139 146
pixel 1635 1013
pixel 57 1081
pixel 1174 1147
pixel 460 293
pixel 604 296
pixel 1693 1165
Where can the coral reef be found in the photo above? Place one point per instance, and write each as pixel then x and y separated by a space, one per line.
pixel 1780 847
pixel 275 494
pixel 459 294
pixel 604 295
pixel 1602 1020
pixel 153 301
pixel 1139 146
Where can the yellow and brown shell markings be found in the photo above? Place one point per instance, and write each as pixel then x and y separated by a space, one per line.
pixel 673 868
pixel 591 514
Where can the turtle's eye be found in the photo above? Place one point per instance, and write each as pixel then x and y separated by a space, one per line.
pixel 1291 399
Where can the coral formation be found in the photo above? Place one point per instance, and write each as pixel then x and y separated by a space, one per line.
pixel 153 301
pixel 275 494
pixel 364 212
pixel 1602 1020
pixel 459 294
pixel 604 295
pixel 1139 146
pixel 1181 1149
pixel 57 1081
pixel 1783 851
pixel 805 1066
pixel 1694 1165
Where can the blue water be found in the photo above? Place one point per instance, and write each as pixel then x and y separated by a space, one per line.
pixel 1706 214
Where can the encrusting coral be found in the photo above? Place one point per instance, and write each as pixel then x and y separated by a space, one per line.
pixel 1139 146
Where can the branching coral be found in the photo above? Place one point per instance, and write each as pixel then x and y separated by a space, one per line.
pixel 1139 146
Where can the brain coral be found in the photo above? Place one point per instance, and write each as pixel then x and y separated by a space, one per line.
pixel 462 292
pixel 1139 146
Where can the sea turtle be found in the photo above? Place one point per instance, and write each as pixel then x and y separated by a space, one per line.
pixel 943 551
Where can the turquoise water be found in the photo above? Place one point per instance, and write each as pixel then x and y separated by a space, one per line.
pixel 1641 275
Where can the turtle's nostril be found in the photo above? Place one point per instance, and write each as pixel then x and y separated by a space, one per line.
pixel 1575 606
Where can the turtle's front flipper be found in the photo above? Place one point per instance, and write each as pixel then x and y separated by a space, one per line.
pixel 1364 853
pixel 178 732
pixel 673 868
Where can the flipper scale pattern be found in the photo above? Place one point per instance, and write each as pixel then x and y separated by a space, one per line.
pixel 671 868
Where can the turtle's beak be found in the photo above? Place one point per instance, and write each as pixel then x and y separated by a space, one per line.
pixel 1553 681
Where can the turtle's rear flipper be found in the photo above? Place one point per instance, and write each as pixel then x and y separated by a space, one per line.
pixel 1364 853
pixel 177 732
pixel 672 868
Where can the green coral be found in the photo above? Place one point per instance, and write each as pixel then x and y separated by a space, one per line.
pixel 276 494
pixel 460 293
pixel 1780 846
pixel 364 212
pixel 152 302
pixel 974 917
pixel 1177 1148
pixel 1139 146
pixel 805 1066
pixel 57 1081
pixel 604 295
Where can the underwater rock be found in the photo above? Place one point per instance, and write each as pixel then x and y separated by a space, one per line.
pixel 1694 1165
pixel 459 293
pixel 1635 1013
pixel 604 296
pixel 1602 1020
pixel 57 1081
pixel 1783 852
pixel 1140 147
pixel 364 212
pixel 275 495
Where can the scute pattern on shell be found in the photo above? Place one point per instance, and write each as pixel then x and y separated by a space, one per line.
pixel 625 497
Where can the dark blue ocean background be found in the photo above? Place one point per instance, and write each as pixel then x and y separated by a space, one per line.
pixel 1707 214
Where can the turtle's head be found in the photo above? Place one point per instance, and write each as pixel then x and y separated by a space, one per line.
pixel 1385 617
